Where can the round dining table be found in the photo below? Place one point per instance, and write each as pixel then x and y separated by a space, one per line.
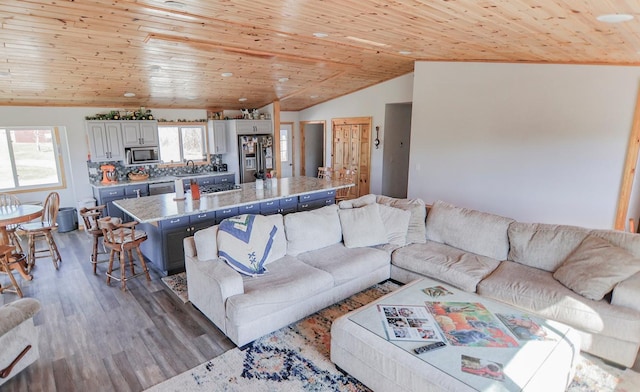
pixel 11 215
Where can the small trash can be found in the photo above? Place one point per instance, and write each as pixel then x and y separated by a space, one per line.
pixel 67 219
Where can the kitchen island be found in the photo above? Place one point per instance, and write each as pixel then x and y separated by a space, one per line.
pixel 168 221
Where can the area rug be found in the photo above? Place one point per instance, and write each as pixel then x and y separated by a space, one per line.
pixel 296 358
pixel 178 284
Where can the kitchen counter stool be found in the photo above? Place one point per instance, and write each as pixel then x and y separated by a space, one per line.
pixel 121 239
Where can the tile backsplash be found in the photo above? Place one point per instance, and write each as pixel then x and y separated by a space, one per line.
pixel 95 174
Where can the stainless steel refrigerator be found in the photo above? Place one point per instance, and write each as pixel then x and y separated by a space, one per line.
pixel 256 156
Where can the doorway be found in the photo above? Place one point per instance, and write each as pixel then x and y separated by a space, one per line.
pixel 312 135
pixel 286 150
pixel 352 149
pixel 395 157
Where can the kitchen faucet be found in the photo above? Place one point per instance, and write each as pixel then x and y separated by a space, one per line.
pixel 193 165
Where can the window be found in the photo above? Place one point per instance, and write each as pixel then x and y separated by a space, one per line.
pixel 30 158
pixel 284 143
pixel 181 143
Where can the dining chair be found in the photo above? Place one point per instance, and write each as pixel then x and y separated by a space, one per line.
pixel 90 217
pixel 324 172
pixel 347 175
pixel 6 252
pixel 8 200
pixel 123 238
pixel 42 230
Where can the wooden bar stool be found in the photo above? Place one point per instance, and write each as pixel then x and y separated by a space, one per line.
pixel 123 238
pixel 90 216
pixel 6 252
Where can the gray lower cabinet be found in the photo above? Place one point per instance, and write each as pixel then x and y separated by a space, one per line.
pixel 164 247
pixel 311 201
pixel 107 196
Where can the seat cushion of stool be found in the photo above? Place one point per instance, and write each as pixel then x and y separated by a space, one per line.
pixel 137 235
pixel 36 227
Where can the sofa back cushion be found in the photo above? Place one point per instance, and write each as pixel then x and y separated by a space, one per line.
pixel 628 241
pixel 543 246
pixel 416 231
pixel 311 230
pixel 470 230
pixel 362 226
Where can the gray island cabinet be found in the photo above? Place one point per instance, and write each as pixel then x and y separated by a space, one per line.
pixel 168 221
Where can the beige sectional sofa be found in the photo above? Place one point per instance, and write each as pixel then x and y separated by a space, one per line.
pixel 522 264
pixel 325 255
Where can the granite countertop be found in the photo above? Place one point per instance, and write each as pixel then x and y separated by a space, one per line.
pixel 159 207
pixel 155 180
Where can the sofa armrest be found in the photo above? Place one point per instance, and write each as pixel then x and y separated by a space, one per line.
pixel 627 292
pixel 189 244
pixel 15 313
pixel 210 283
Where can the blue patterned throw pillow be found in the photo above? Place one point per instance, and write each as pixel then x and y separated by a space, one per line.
pixel 244 242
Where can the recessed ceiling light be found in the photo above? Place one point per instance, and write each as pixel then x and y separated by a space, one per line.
pixel 242 99
pixel 614 18
pixel 282 80
pixel 129 95
pixel 404 52
pixel 226 74
pixel 320 35
pixel 174 4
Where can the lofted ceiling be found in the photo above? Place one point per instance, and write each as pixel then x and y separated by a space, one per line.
pixel 173 54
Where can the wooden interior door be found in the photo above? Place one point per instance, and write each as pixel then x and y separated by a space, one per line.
pixel 352 149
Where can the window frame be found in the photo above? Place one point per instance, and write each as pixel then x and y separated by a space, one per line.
pixel 170 124
pixel 57 152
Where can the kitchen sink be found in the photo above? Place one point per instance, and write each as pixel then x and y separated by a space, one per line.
pixel 185 175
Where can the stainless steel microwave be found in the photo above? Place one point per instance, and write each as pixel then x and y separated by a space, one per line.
pixel 142 155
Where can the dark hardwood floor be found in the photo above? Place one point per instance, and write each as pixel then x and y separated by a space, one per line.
pixel 94 337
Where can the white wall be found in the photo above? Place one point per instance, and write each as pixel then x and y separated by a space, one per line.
pixel 539 143
pixel 369 102
pixel 73 139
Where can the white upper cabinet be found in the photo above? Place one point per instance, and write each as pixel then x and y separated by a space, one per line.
pixel 140 133
pixel 217 137
pixel 105 141
pixel 247 127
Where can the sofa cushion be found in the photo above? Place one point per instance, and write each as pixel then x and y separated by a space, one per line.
pixel 288 282
pixel 543 246
pixel 448 264
pixel 359 202
pixel 206 243
pixel 416 231
pixel 245 242
pixel 595 267
pixel 346 264
pixel 470 230
pixel 362 226
pixel 624 240
pixel 310 230
pixel 396 224
pixel 537 291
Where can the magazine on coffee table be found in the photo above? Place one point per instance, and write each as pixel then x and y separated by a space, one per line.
pixel 470 324
pixel 409 323
pixel 523 326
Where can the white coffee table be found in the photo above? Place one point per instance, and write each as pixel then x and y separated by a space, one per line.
pixel 360 347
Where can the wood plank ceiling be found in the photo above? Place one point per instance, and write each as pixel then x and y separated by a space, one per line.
pixel 172 54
